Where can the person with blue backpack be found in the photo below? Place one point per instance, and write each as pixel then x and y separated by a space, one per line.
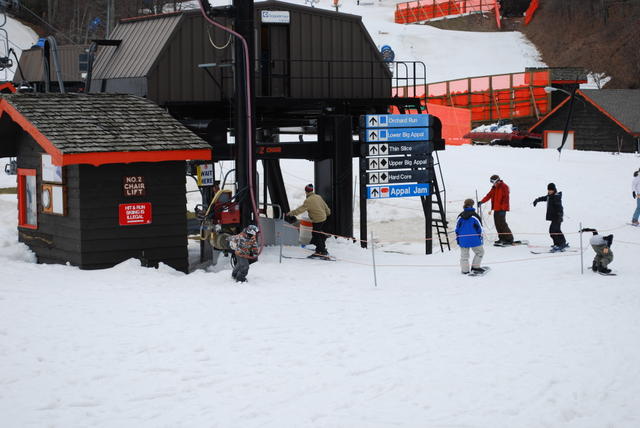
pixel 469 237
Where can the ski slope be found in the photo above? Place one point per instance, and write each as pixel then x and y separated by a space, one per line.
pixel 309 343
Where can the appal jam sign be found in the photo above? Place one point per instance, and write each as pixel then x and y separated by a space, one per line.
pixel 133 185
pixel 135 214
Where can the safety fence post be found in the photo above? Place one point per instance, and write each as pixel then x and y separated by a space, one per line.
pixel 373 257
pixel 280 241
pixel 581 252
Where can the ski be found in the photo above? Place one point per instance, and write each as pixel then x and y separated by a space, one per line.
pixel 486 269
pixel 312 256
pixel 634 224
pixel 513 244
pixel 566 250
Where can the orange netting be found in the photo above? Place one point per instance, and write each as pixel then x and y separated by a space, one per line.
pixel 502 96
pixel 456 122
pixel 422 10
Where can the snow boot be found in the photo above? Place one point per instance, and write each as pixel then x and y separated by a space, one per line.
pixel 604 270
pixel 594 266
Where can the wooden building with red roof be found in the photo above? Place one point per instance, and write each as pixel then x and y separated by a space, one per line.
pixel 602 119
pixel 101 178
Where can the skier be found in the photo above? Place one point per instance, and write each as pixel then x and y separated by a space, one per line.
pixel 245 246
pixel 469 236
pixel 318 212
pixel 635 187
pixel 602 246
pixel 553 198
pixel 499 195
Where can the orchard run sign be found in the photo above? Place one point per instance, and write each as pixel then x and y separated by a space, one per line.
pixel 135 214
pixel 133 185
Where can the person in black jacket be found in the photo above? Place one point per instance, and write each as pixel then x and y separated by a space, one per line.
pixel 555 213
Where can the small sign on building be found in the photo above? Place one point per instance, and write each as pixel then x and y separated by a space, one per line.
pixel 134 214
pixel 275 16
pixel 133 185
pixel 205 174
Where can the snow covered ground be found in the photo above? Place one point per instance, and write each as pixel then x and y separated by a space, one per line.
pixel 308 343
pixel 313 343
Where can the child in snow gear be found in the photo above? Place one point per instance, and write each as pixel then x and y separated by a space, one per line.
pixel 555 212
pixel 499 195
pixel 469 236
pixel 635 188
pixel 245 246
pixel 602 246
pixel 318 212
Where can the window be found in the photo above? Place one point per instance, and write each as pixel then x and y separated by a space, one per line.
pixel 27 201
pixel 83 62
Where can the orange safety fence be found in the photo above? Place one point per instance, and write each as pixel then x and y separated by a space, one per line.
pixel 533 6
pixel 456 122
pixel 423 10
pixel 502 96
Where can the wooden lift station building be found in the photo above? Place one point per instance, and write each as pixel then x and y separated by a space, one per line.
pixel 101 178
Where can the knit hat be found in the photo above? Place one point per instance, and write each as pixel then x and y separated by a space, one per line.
pixel 494 178
pixel 468 203
pixel 308 188
pixel 552 186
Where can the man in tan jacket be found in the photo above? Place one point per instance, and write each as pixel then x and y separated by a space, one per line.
pixel 318 212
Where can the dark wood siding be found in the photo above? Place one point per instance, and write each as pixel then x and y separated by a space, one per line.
pixel 331 56
pixel 57 238
pixel 90 236
pixel 105 242
pixel 593 129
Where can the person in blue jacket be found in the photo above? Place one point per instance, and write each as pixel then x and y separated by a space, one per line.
pixel 469 236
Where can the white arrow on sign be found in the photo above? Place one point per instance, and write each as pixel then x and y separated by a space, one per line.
pixel 373 164
pixel 373 149
pixel 373 177
pixel 373 136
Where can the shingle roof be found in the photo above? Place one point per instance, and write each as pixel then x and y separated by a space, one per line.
pixel 622 104
pixel 142 42
pixel 79 123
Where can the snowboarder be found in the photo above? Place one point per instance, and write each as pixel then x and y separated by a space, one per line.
pixel 469 236
pixel 318 212
pixel 499 195
pixel 635 187
pixel 602 246
pixel 245 246
pixel 555 212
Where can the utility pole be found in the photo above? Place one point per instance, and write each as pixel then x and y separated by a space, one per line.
pixel 245 141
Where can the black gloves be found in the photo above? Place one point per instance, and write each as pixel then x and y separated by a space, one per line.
pixel 290 219
pixel 535 202
pixel 479 204
pixel 634 195
pixel 608 239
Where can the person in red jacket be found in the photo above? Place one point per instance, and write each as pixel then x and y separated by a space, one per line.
pixel 499 195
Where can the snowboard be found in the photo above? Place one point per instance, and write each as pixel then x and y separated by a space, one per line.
pixel 602 273
pixel 486 269
pixel 634 225
pixel 515 243
pixel 566 250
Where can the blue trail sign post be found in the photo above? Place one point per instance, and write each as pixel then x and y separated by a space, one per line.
pixel 397 162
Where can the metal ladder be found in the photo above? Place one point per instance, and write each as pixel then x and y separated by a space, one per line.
pixel 438 206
